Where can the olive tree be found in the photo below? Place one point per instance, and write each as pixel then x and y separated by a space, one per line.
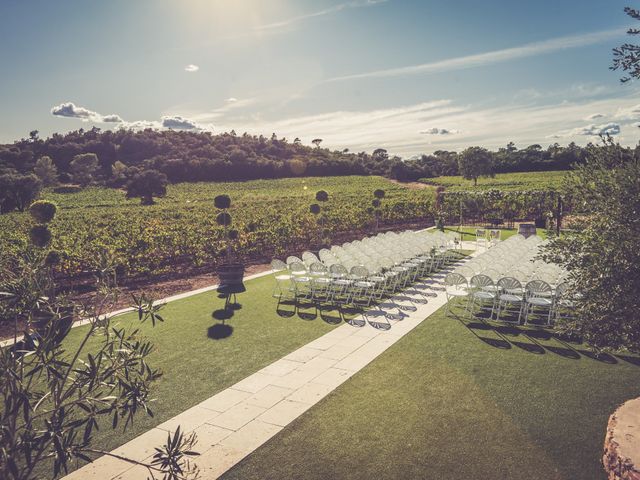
pixel 46 171
pixel 146 185
pixel 475 162
pixel 603 257
pixel 83 167
pixel 55 394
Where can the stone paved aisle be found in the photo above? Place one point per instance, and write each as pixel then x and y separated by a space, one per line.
pixel 233 423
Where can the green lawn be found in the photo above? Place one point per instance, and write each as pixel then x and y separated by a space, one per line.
pixel 469 233
pixel 196 366
pixel 457 401
pixel 502 181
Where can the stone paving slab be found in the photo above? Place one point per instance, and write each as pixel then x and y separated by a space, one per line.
pixel 233 423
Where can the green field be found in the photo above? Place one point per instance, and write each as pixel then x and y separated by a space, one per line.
pixel 180 232
pixel 200 355
pixel 458 400
pixel 502 181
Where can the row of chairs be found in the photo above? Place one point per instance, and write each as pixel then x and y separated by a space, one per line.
pixel 487 238
pixel 535 302
pixel 512 284
pixel 361 272
pixel 515 257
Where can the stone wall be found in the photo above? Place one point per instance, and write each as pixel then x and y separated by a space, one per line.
pixel 621 457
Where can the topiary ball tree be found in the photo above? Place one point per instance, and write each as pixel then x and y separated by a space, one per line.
pixel 43 211
pixel 315 209
pixel 224 219
pixel 379 193
pixel 222 202
pixel 322 196
pixel 40 236
pixel 53 258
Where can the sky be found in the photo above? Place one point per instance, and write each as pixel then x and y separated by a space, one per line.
pixel 410 76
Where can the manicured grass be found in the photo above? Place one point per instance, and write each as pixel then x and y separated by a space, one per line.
pixel 196 366
pixel 502 181
pixel 469 233
pixel 456 400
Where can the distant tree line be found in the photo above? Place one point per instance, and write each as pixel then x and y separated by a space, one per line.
pixel 122 158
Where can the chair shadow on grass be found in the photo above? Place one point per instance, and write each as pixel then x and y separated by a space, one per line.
pixel 309 310
pixel 507 333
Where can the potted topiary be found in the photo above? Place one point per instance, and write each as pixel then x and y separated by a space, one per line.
pixel 378 195
pixel 49 316
pixel 315 208
pixel 231 271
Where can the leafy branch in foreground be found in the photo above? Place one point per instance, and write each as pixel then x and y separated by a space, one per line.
pixel 55 391
pixel 626 57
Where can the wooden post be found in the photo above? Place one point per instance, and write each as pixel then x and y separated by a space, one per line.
pixel 559 216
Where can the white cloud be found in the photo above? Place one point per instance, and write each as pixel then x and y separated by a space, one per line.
pixel 231 104
pixel 176 122
pixel 142 125
pixel 628 113
pixel 398 129
pixel 595 130
pixel 71 110
pixel 438 131
pixel 191 68
pixel 320 13
pixel 488 58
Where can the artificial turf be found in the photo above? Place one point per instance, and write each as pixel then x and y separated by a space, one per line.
pixel 201 355
pixel 469 233
pixel 458 400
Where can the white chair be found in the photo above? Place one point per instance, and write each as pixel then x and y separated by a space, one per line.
pixel 456 286
pixel 538 301
pixel 510 294
pixel 300 281
pixel 281 277
pixel 483 294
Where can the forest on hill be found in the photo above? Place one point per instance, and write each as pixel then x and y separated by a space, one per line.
pixel 201 156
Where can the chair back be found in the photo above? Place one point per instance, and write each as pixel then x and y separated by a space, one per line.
pixel 480 281
pixel 277 265
pixel 538 288
pixel 318 269
pixel 455 280
pixel 338 270
pixel 297 268
pixel 509 284
pixel 293 259
pixel 360 272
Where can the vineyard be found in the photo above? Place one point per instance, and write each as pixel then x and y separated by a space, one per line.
pixel 179 232
pixel 522 181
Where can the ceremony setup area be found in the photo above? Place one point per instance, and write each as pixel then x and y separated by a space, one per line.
pixel 367 309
